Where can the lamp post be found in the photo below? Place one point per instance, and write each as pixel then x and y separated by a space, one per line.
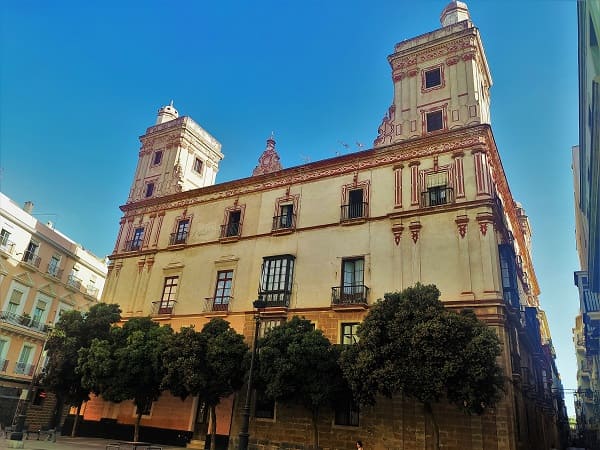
pixel 243 435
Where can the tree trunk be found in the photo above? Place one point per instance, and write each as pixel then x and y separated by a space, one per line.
pixel 213 427
pixel 315 424
pixel 136 430
pixel 76 420
pixel 436 429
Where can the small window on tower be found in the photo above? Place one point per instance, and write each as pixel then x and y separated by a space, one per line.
pixel 433 78
pixel 198 165
pixel 434 121
pixel 149 189
pixel 157 158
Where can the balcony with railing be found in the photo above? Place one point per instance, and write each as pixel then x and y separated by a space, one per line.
pixel 31 259
pixel 163 307
pixel 54 271
pixel 285 222
pixel 133 245
pixel 349 295
pixel 436 196
pixel 178 238
pixel 6 245
pixel 24 369
pixel 354 211
pixel 74 283
pixel 274 299
pixel 217 304
pixel 231 230
pixel 23 321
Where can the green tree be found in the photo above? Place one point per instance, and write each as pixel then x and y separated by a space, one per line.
pixel 209 364
pixel 73 331
pixel 127 365
pixel 410 343
pixel 298 365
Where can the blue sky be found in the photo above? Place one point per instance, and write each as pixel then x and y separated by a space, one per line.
pixel 81 81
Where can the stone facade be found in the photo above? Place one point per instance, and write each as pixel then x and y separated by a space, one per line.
pixel 429 203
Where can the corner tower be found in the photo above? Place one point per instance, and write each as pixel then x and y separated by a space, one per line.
pixel 177 155
pixel 441 80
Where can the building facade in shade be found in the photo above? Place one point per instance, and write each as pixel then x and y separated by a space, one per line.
pixel 586 175
pixel 42 274
pixel 429 203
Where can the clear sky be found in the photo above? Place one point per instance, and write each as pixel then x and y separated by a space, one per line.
pixel 81 81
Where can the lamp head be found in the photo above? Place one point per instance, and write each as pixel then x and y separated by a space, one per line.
pixel 259 303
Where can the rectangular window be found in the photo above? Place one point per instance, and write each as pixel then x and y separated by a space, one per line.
pixel 276 280
pixel 4 235
pixel 509 275
pixel 15 301
pixel 149 189
pixel 169 295
pixel 198 165
pixel 433 78
pixel 349 333
pixel 286 215
pixel 23 367
pixel 434 120
pixel 267 325
pixel 355 204
pixel 30 254
pixel 264 407
pixel 353 289
pixel 53 265
pixel 223 290
pixel 233 223
pixel 181 235
pixel 347 412
pixel 157 158
pixel 38 313
pixel 138 239
pixel 438 192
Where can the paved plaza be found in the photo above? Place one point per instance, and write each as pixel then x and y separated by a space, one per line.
pixel 69 443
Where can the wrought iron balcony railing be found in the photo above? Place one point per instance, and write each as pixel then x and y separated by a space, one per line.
pixel 231 229
pixel 163 307
pixel 217 303
pixel 178 238
pixel 285 222
pixel 133 245
pixel 437 196
pixel 23 321
pixel 31 258
pixel 349 295
pixel 354 211
pixel 54 271
pixel 24 369
pixel 276 298
pixel 74 282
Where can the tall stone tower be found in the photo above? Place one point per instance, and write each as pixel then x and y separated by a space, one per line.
pixel 441 80
pixel 177 155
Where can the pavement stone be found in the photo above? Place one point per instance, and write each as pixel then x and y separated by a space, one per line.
pixel 69 443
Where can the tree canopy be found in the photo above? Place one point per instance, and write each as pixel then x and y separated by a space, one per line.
pixel 298 364
pixel 410 343
pixel 210 364
pixel 73 331
pixel 128 364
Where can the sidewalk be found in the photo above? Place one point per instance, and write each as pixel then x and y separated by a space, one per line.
pixel 69 443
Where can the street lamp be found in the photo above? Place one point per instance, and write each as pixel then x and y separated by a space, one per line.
pixel 243 436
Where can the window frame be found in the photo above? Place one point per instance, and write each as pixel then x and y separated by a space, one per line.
pixel 149 190
pixel 428 121
pixel 158 154
pixel 198 162
pixel 168 297
pixel 276 279
pixel 223 288
pixel 352 335
pixel 347 410
pixel 427 79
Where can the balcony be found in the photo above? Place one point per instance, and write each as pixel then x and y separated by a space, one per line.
pixel 178 238
pixel 349 295
pixel 285 222
pixel 24 369
pixel 217 304
pixel 163 307
pixel 133 245
pixel 74 282
pixel 436 196
pixel 354 211
pixel 6 246
pixel 231 230
pixel 275 299
pixel 31 259
pixel 3 365
pixel 54 271
pixel 23 321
